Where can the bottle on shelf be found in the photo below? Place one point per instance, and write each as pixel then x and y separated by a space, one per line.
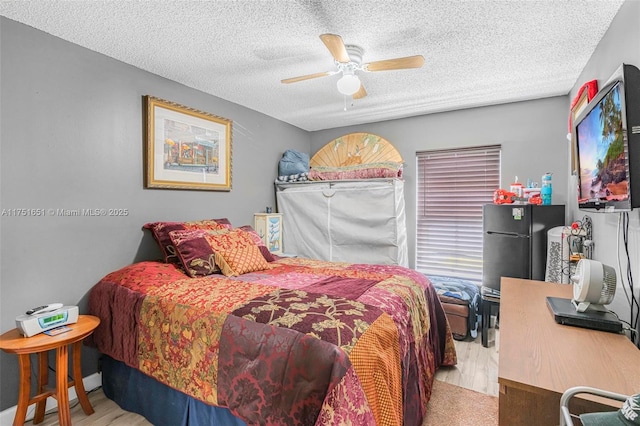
pixel 516 187
pixel 546 189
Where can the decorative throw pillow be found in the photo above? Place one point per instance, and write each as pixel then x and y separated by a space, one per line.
pixel 384 169
pixel 196 249
pixel 160 231
pixel 269 257
pixel 194 252
pixel 238 261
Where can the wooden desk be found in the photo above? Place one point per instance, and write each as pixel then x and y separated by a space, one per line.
pixel 540 359
pixel 13 342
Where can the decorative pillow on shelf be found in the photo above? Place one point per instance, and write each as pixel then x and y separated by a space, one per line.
pixel 196 248
pixel 269 257
pixel 160 231
pixel 383 169
pixel 242 260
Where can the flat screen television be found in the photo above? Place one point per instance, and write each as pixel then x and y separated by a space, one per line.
pixel 608 145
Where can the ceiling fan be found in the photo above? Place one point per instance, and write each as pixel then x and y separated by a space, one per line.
pixel 348 60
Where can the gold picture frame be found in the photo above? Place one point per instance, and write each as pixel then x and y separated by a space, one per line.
pixel 186 148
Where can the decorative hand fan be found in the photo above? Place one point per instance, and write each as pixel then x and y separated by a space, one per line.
pixel 355 148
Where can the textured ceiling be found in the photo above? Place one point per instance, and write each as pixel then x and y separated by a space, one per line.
pixel 476 52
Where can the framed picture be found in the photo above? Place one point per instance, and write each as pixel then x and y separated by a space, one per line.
pixel 186 148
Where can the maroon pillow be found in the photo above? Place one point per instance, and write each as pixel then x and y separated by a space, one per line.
pixel 160 231
pixel 269 257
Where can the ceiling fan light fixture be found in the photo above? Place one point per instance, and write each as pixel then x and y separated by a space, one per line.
pixel 348 84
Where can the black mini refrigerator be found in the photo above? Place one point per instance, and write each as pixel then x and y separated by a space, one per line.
pixel 515 240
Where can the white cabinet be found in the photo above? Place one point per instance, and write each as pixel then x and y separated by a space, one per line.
pixel 345 221
pixel 269 227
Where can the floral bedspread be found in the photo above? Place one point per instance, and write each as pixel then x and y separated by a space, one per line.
pixel 307 342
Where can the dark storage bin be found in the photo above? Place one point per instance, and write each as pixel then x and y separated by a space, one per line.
pixel 460 299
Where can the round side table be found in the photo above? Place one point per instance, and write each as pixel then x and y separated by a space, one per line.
pixel 14 342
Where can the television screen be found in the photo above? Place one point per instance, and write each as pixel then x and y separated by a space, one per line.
pixel 602 156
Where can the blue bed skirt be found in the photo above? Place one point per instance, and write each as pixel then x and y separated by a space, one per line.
pixel 157 402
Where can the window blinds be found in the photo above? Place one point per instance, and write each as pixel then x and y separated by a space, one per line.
pixel 452 186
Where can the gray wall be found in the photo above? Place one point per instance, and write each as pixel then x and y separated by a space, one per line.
pixel 72 137
pixel 621 44
pixel 532 135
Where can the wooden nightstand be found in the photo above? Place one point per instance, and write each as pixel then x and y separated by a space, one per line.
pixel 15 343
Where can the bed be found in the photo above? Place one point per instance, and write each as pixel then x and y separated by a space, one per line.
pixel 286 341
pixel 221 331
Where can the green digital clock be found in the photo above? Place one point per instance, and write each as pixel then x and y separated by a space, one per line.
pixel 53 318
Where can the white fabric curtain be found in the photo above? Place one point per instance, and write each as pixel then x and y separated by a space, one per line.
pixel 452 186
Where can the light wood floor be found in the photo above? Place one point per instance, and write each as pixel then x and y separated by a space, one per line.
pixel 107 412
pixel 477 369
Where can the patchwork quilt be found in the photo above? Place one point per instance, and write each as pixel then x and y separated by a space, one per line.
pixel 304 342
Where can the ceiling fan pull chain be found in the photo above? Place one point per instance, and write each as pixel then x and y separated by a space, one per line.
pixel 345 102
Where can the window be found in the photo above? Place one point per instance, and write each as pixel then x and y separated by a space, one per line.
pixel 453 185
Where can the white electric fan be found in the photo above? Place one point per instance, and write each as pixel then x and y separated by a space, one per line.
pixel 594 285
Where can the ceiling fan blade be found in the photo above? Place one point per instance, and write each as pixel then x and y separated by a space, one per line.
pixel 361 93
pixel 306 77
pixel 395 64
pixel 336 46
